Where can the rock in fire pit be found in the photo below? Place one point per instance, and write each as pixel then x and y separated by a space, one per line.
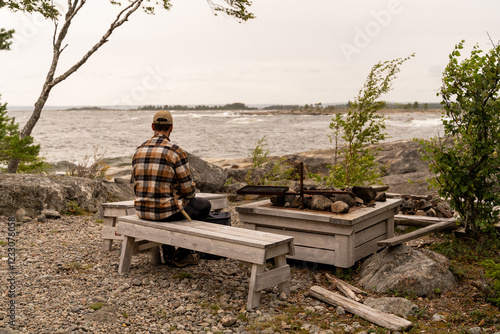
pixel 339 202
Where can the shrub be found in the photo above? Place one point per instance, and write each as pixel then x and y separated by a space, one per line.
pixel 466 160
pixel 354 163
pixel 91 167
pixel 264 172
pixel 493 272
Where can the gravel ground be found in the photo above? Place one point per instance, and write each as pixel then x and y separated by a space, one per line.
pixel 65 283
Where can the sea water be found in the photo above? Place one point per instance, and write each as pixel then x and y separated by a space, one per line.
pixel 72 135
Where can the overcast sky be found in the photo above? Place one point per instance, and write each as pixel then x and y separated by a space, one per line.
pixel 294 52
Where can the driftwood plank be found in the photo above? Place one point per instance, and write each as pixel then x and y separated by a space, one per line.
pixel 377 317
pixel 416 234
pixel 421 221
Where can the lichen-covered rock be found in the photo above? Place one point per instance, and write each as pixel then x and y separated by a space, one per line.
pixel 340 207
pixel 404 269
pixel 346 198
pixel 35 193
pixel 321 203
pixel 367 194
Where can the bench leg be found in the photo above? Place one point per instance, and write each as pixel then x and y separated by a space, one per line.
pixel 107 244
pixel 280 261
pixel 154 255
pixel 254 291
pixel 126 255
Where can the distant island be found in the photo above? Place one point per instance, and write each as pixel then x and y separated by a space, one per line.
pixel 291 108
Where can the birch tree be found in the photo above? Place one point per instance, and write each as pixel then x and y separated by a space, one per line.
pixel 234 8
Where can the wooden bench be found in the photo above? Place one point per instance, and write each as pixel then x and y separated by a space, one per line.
pixel 254 247
pixel 111 211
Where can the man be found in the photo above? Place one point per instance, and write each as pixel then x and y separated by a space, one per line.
pixel 163 185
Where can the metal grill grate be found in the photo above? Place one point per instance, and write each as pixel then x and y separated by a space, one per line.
pixel 262 190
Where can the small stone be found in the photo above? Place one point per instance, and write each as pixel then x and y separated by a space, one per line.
pixel 321 203
pixel 137 282
pixel 475 330
pixel 346 198
pixel 51 214
pixel 228 321
pixel 438 317
pixel 41 219
pixel 339 207
pixel 283 296
pixel 20 214
pixel 340 310
pixel 381 197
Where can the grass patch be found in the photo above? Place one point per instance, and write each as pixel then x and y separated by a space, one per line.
pixel 183 275
pixel 97 306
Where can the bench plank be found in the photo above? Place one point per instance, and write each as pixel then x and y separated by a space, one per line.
pixel 223 233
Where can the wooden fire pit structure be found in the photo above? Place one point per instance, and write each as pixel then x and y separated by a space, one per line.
pixel 324 237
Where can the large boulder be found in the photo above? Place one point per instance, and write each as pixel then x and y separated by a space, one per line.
pixel 35 193
pixel 406 270
pixel 209 178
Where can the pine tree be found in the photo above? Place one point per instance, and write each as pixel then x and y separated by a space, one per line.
pixel 13 147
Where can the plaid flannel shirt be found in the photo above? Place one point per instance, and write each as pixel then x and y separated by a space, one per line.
pixel 161 178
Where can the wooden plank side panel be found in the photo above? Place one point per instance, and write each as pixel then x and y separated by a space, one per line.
pixel 314 255
pixel 194 242
pixel 370 233
pixel 373 220
pixel 368 248
pixel 344 251
pixel 315 240
pixel 295 224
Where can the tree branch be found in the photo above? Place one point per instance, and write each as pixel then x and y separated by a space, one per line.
pixel 120 19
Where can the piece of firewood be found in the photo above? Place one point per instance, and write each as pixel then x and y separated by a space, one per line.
pixel 343 288
pixel 350 286
pixel 377 317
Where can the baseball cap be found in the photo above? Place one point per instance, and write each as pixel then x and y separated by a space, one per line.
pixel 163 117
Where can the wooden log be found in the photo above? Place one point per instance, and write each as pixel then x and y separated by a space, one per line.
pixel 343 288
pixel 394 195
pixel 416 234
pixel 420 221
pixel 377 317
pixel 352 287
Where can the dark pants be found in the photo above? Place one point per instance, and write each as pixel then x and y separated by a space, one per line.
pixel 197 209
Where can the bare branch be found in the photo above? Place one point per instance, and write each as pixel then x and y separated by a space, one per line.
pixel 121 18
